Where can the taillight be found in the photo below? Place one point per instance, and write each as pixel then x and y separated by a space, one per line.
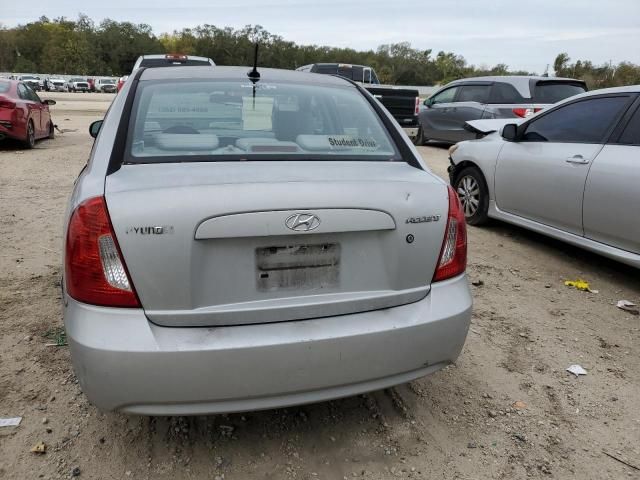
pixel 95 272
pixel 453 255
pixel 416 110
pixel 5 103
pixel 525 112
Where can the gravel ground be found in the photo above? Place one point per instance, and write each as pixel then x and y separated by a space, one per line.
pixel 507 409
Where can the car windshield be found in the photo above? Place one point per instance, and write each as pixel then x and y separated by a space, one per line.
pixel 28 77
pixel 108 81
pixel 553 92
pixel 4 86
pixel 78 80
pixel 223 120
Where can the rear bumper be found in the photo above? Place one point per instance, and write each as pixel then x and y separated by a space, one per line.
pixel 409 124
pixel 14 131
pixel 411 132
pixel 124 362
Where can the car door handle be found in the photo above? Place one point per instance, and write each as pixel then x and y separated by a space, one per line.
pixel 577 159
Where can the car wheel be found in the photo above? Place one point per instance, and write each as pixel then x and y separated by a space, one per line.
pixel 52 131
pixel 473 194
pixel 30 141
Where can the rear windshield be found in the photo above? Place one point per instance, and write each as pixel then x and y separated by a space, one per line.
pixel 550 92
pixel 218 120
pixel 108 81
pixel 164 62
pixel 4 86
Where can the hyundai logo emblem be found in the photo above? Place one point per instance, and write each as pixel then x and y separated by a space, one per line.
pixel 302 222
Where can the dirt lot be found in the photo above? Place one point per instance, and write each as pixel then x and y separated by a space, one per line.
pixel 460 423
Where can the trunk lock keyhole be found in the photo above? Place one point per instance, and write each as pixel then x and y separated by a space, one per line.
pixel 410 238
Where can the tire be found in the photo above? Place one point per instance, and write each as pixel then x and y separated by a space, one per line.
pixel 419 139
pixel 30 141
pixel 52 131
pixel 473 194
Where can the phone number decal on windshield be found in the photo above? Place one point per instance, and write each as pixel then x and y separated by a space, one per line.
pixel 183 109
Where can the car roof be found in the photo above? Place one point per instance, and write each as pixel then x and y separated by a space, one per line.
pixel 515 79
pixel 604 91
pixel 626 89
pixel 240 74
pixel 164 55
pixel 343 64
pixel 522 83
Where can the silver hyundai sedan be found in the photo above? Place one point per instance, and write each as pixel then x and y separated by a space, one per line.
pixel 240 243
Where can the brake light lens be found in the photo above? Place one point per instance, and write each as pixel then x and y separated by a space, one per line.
pixel 453 255
pixel 176 57
pixel 95 272
pixel 416 110
pixel 526 112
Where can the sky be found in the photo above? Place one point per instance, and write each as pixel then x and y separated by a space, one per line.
pixel 524 35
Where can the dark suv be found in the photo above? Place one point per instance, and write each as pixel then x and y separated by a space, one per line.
pixel 443 115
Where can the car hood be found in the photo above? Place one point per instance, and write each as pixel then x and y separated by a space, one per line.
pixel 487 126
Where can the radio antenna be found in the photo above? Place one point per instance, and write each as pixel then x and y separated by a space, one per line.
pixel 254 75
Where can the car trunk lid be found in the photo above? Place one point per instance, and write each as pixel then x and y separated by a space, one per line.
pixel 230 243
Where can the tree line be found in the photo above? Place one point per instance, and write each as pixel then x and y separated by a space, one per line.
pixel 110 48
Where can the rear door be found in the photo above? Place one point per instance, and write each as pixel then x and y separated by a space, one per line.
pixel 469 105
pixel 43 110
pixel 542 177
pixel 437 120
pixel 612 193
pixel 25 94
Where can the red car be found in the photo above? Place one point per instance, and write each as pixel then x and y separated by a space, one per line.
pixel 23 115
pixel 121 81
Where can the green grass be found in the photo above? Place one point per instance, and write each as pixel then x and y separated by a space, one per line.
pixel 57 335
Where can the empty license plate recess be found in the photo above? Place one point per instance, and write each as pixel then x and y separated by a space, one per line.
pixel 298 267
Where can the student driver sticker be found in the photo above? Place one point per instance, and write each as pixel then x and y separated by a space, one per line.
pixel 357 142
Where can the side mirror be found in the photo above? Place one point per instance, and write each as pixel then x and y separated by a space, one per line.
pixel 428 102
pixel 510 132
pixel 49 102
pixel 94 128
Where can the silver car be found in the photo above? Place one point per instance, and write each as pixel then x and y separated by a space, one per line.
pixel 571 172
pixel 444 114
pixel 239 243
